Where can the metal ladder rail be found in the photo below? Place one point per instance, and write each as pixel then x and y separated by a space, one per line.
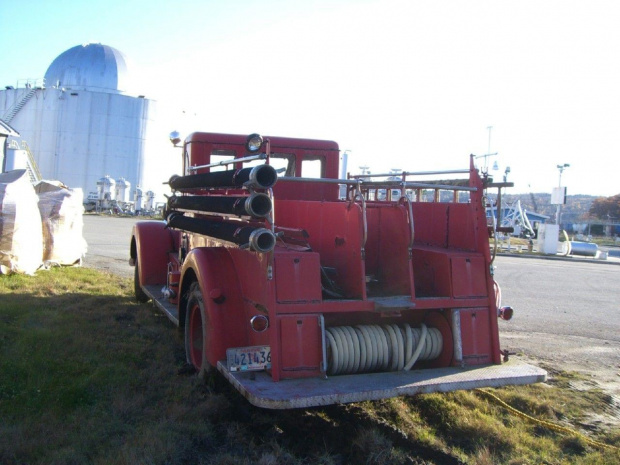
pixel 12 112
pixel 33 168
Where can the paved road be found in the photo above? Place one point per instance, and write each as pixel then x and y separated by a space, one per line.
pixel 108 243
pixel 567 312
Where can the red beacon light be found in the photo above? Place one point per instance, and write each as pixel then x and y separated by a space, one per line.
pixel 505 313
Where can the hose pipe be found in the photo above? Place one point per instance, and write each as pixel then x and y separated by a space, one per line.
pixel 372 348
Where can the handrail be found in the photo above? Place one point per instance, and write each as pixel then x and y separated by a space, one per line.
pixel 411 173
pixel 320 180
pixel 382 184
pixel 484 206
pixel 230 161
pixel 416 185
pixel 359 194
pixel 411 226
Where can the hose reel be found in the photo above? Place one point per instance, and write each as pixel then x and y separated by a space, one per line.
pixel 390 347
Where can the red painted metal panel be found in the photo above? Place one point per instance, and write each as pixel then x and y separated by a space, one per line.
pixel 431 269
pixel 284 190
pixel 392 243
pixel 476 336
pixel 153 244
pixel 298 277
pixel 335 232
pixel 301 349
pixel 431 223
pixel 468 276
pixel 461 226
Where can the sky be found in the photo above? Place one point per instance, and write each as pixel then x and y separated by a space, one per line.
pixel 401 84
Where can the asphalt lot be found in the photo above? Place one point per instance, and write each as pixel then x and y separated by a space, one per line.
pixel 567 310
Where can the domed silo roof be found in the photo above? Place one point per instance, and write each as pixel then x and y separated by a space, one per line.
pixel 93 67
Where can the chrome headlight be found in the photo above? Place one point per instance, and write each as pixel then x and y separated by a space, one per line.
pixel 253 143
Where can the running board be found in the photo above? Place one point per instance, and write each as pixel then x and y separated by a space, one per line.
pixel 161 302
pixel 261 391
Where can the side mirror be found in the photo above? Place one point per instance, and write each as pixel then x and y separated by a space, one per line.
pixel 175 138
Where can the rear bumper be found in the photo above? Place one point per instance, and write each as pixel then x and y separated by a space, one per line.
pixel 261 391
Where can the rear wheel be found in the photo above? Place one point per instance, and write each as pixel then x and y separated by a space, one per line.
pixel 197 332
pixel 137 289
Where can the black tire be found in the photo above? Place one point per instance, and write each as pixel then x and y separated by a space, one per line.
pixel 137 289
pixel 197 332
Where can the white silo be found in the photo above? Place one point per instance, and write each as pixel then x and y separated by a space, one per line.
pixel 83 120
pixel 149 202
pixel 137 200
pixel 106 188
pixel 122 190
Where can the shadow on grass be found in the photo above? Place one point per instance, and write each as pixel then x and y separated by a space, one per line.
pixel 87 375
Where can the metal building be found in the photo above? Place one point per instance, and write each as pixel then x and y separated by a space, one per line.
pixel 84 120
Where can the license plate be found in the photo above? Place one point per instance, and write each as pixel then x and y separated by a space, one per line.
pixel 248 358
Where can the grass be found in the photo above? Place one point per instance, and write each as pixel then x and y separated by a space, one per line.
pixel 87 375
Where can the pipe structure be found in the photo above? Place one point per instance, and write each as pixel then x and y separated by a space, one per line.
pixel 259 239
pixel 257 205
pixel 256 177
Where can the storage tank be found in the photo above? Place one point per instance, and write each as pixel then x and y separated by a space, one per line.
pixel 122 190
pixel 137 200
pixel 149 202
pixel 86 118
pixel 106 189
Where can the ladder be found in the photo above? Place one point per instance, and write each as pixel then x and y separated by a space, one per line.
pixel 10 114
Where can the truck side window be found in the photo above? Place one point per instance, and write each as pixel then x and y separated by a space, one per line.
pixel 221 155
pixel 284 163
pixel 312 168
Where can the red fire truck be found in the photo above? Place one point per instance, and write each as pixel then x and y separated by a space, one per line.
pixel 303 288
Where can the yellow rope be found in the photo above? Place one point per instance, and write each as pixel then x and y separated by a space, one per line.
pixel 548 424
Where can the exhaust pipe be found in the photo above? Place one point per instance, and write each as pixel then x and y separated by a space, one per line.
pixel 258 239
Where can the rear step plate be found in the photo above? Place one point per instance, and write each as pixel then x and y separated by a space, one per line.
pixel 261 391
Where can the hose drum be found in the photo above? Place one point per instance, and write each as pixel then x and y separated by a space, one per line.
pixel 390 347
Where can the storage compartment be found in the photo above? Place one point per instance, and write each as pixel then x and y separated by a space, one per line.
pixel 301 346
pixel 298 277
pixel 475 336
pixel 468 277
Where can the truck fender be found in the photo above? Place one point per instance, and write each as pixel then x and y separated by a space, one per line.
pixel 150 244
pixel 213 269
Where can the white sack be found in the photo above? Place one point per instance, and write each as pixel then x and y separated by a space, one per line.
pixel 62 218
pixel 21 237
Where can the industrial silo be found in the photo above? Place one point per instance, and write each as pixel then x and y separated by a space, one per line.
pixel 85 120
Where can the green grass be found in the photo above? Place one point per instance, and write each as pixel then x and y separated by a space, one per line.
pixel 87 375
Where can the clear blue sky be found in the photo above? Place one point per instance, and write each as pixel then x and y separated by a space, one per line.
pixel 401 83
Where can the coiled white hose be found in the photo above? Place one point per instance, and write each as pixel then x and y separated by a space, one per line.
pixel 366 348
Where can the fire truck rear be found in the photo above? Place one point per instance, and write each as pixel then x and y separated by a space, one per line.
pixel 305 289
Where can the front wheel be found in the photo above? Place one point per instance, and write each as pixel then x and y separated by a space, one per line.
pixel 197 332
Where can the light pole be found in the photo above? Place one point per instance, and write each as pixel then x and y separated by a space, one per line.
pixel 561 168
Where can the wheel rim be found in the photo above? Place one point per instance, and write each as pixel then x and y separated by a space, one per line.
pixel 196 339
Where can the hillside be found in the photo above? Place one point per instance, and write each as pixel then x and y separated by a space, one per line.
pixel 576 208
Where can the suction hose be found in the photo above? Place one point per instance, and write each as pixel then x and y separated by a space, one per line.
pixel 368 348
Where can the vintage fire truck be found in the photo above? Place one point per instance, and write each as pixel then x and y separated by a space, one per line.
pixel 304 288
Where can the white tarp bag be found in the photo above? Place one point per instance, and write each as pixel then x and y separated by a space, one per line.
pixel 62 218
pixel 21 237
